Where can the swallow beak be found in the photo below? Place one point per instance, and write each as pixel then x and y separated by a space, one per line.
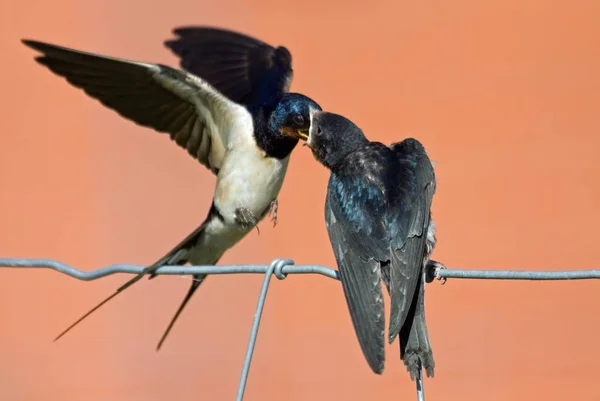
pixel 303 134
pixel 308 141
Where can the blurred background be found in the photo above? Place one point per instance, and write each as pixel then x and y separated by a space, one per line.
pixel 505 95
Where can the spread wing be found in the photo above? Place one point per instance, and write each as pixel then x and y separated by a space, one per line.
pixel 197 117
pixel 408 229
pixel 358 242
pixel 245 69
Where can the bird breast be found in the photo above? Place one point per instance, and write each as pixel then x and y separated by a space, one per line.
pixel 248 179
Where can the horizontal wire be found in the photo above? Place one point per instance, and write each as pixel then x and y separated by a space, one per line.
pixel 282 267
pixel 439 273
pixel 519 274
pixel 165 270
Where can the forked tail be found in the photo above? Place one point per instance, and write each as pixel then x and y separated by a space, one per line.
pixel 177 256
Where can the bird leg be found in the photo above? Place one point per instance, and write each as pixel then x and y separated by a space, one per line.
pixel 245 218
pixel 431 271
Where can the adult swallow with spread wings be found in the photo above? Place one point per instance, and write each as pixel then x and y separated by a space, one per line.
pixel 237 119
pixel 378 218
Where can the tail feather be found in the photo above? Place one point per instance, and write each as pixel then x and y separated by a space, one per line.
pixel 178 255
pixel 198 279
pixel 122 288
pixel 415 348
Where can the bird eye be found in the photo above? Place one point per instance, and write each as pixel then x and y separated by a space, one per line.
pixel 298 119
pixel 319 131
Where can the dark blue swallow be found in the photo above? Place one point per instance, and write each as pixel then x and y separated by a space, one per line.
pixel 378 218
pixel 233 113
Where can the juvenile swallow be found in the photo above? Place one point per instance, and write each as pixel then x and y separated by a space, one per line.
pixel 240 122
pixel 378 219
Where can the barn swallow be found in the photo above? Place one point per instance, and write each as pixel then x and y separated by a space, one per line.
pixel 378 219
pixel 241 122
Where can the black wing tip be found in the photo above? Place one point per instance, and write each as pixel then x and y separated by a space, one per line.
pixel 34 44
pixel 188 30
pixel 176 46
pixel 44 47
pixel 51 51
pixel 377 366
pixel 189 36
pixel 42 60
pixel 284 58
pixel 375 357
pixel 211 33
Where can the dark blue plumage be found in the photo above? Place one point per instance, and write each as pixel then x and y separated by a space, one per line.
pixel 378 220
pixel 289 111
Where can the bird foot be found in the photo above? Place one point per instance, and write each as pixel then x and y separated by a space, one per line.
pixel 432 269
pixel 273 207
pixel 245 218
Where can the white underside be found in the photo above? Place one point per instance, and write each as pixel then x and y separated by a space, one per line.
pixel 248 179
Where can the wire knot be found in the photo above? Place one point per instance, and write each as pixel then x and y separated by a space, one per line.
pixel 278 265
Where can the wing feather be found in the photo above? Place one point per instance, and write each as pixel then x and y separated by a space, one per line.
pixel 361 281
pixel 243 68
pixel 197 117
pixel 408 246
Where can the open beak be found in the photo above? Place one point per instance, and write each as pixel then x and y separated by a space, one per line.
pixel 303 134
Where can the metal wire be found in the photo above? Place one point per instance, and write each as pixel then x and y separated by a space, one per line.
pixel 274 268
pixel 280 268
pixel 518 274
pixel 420 392
pixel 166 270
pixel 290 269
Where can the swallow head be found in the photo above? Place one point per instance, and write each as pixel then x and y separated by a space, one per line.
pixel 292 115
pixel 331 137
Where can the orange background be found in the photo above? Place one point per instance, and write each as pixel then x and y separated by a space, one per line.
pixel 506 98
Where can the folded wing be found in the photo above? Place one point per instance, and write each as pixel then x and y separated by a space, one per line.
pixel 408 229
pixel 359 244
